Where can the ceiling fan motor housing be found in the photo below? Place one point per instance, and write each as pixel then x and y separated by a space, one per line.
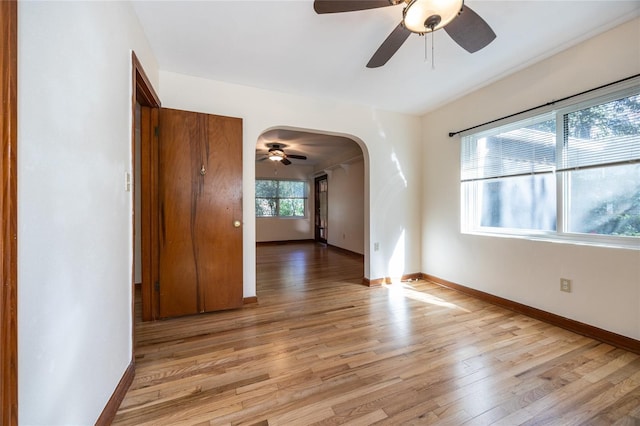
pixel 421 16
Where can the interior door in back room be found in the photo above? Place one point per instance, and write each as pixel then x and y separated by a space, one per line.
pixel 200 203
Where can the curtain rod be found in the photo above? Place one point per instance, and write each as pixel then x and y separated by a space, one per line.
pixel 452 134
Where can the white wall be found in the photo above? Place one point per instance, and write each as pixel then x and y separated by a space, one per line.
pixel 390 142
pixel 285 229
pixel 74 218
pixel 606 281
pixel 346 206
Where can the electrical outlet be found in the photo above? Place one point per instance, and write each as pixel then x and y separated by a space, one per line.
pixel 376 246
pixel 565 285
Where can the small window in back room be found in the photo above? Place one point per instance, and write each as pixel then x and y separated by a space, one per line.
pixel 281 198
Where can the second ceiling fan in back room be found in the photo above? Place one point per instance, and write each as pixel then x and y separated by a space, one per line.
pixel 276 153
pixel 462 24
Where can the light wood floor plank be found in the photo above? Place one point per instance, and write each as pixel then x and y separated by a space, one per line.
pixel 321 348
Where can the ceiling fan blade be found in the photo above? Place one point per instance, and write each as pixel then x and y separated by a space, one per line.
pixel 389 47
pixel 470 31
pixel 285 161
pixel 299 157
pixel 336 6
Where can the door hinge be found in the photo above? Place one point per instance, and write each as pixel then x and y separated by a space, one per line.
pixel 156 131
pixel 156 286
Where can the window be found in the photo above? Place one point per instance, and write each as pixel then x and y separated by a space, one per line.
pixel 568 174
pixel 281 198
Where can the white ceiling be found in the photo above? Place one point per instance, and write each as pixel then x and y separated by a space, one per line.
pixel 285 46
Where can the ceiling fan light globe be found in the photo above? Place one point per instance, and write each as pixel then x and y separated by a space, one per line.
pixel 417 13
pixel 275 158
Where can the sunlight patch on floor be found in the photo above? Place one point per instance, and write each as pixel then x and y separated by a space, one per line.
pixel 406 290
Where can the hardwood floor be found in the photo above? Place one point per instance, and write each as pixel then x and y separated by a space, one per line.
pixel 320 348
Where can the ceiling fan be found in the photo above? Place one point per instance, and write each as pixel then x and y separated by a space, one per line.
pixel 462 24
pixel 276 153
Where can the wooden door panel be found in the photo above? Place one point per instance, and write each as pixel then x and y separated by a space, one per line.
pixel 224 290
pixel 177 276
pixel 200 198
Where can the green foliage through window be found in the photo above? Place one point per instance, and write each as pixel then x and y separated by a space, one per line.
pixel 280 198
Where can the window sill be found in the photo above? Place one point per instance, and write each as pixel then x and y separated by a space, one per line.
pixel 284 217
pixel 625 243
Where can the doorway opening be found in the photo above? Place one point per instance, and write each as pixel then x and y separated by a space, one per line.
pixel 321 208
pixel 335 170
pixel 145 107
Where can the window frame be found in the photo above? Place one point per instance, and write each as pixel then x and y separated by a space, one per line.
pixel 305 199
pixel 470 208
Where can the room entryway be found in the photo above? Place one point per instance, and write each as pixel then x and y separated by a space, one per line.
pixel 322 208
pixel 188 175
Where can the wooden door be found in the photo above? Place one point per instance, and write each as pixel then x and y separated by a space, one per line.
pixel 200 203
pixel 322 210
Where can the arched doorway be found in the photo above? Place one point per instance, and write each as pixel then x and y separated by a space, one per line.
pixel 342 161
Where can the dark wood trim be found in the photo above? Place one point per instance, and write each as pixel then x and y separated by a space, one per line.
pixel 596 333
pixel 250 300
pixel 388 280
pixel 146 96
pixel 110 410
pixel 149 211
pixel 412 277
pixel 283 242
pixel 144 93
pixel 8 206
pixel 373 282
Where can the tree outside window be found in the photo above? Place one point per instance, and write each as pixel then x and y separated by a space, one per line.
pixel 281 198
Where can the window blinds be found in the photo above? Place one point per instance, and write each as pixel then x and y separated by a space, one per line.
pixel 524 149
pixel 602 135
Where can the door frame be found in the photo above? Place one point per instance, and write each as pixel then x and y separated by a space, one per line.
pixel 8 205
pixel 145 95
pixel 316 206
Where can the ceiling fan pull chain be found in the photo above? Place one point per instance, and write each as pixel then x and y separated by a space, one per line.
pixel 426 48
pixel 433 52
